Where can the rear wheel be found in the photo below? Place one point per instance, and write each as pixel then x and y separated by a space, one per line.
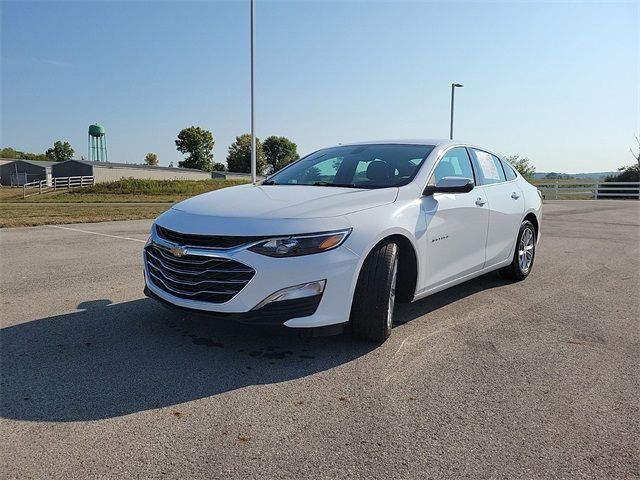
pixel 375 295
pixel 524 255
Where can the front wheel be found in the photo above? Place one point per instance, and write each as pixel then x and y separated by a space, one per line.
pixel 375 295
pixel 524 255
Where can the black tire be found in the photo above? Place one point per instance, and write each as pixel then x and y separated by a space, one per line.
pixel 515 270
pixel 373 301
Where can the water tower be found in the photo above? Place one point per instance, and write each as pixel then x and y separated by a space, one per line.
pixel 97 143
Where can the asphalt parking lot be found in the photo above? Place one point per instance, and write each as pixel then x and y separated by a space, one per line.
pixel 489 379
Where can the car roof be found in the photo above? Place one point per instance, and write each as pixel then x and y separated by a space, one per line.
pixel 413 141
pixel 438 143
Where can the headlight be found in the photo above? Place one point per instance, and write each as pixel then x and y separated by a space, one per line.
pixel 297 245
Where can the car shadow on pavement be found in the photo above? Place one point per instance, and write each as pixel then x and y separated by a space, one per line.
pixel 407 312
pixel 106 360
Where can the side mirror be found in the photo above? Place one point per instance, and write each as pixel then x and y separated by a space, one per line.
pixel 450 185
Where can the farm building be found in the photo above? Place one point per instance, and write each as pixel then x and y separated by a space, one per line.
pixel 19 172
pixel 108 171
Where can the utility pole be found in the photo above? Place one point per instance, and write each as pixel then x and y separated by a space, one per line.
pixel 253 132
pixel 453 92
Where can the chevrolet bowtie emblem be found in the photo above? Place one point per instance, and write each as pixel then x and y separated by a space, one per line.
pixel 178 251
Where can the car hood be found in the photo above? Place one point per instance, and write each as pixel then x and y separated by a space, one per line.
pixel 272 210
pixel 285 202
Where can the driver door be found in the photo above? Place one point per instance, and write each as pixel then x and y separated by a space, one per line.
pixel 456 224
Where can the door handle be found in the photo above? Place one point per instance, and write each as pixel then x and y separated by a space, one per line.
pixel 480 202
pixel 515 196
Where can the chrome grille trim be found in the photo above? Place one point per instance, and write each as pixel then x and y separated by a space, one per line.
pixel 206 278
pixel 180 293
pixel 169 278
pixel 191 272
pixel 167 256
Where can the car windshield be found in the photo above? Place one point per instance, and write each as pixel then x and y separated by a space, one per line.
pixel 355 166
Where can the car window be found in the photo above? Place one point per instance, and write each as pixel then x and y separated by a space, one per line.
pixel 356 166
pixel 360 174
pixel 455 163
pixel 401 170
pixel 323 171
pixel 508 170
pixel 490 168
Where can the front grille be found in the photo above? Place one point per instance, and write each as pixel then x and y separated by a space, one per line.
pixel 194 277
pixel 210 241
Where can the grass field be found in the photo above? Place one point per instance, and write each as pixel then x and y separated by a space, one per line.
pixel 8 194
pixel 127 199
pixel 124 191
pixel 547 188
pixel 29 214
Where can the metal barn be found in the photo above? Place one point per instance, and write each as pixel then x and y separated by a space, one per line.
pixel 19 172
pixel 108 171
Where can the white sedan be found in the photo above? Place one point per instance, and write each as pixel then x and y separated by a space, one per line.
pixel 336 238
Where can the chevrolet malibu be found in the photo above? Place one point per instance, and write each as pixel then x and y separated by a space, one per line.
pixel 335 239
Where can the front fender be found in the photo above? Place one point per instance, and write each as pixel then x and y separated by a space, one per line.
pixel 372 226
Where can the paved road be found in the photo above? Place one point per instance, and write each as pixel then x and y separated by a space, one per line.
pixel 487 380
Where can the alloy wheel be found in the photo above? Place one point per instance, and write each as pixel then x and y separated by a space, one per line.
pixel 525 250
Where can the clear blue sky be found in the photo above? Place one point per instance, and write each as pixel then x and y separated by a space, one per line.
pixel 557 82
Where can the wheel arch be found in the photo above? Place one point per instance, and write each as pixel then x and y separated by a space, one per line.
pixel 531 216
pixel 408 266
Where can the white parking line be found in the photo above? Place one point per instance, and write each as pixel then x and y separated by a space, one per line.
pixel 96 233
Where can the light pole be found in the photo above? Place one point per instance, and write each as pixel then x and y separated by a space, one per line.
pixel 253 132
pixel 453 93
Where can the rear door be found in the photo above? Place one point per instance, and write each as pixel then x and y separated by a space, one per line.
pixel 456 224
pixel 505 205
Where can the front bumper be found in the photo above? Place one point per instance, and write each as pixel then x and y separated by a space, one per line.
pixel 338 267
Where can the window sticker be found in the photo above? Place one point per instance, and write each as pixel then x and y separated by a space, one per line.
pixel 487 165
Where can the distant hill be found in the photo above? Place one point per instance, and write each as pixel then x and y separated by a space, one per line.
pixel 577 176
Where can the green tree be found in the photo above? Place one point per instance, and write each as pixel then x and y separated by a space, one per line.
pixel 60 152
pixel 630 173
pixel 34 156
pixel 198 143
pixel 522 165
pixel 219 167
pixel 557 176
pixel 151 159
pixel 279 152
pixel 9 152
pixel 239 157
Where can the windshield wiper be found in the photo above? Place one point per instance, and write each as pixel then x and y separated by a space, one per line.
pixel 269 182
pixel 328 184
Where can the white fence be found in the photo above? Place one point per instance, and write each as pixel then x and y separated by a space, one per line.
pixel 71 182
pixel 597 190
pixel 57 183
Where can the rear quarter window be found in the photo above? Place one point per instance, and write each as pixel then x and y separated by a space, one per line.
pixel 509 171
